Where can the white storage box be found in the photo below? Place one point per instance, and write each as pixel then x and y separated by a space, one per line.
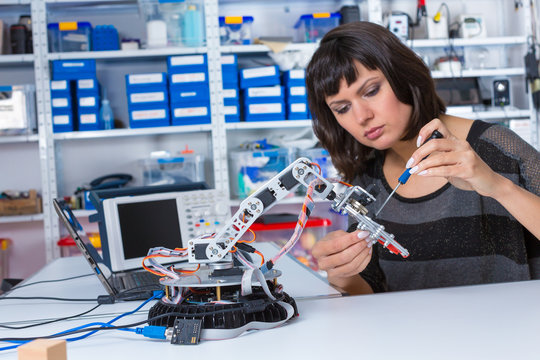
pixel 173 170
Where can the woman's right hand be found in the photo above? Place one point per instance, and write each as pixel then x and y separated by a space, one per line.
pixel 342 254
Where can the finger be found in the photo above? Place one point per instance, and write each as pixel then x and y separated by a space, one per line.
pixel 436 160
pixel 429 128
pixel 339 241
pixel 435 145
pixel 344 257
pixel 357 265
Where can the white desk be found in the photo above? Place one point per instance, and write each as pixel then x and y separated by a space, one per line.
pixel 497 321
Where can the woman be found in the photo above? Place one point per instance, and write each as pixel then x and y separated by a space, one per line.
pixel 468 214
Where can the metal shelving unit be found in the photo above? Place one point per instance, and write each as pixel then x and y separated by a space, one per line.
pixel 216 133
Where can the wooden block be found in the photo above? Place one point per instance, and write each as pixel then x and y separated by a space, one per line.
pixel 43 349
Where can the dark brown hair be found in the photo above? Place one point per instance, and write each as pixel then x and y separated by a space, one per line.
pixel 376 48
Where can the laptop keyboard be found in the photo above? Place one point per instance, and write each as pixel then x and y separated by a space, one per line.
pixel 139 279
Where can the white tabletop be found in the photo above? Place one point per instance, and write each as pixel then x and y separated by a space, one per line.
pixel 496 321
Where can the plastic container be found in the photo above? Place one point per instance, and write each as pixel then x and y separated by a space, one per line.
pixel 173 22
pixel 251 169
pixel 181 169
pixel 321 157
pixel 312 27
pixel 281 232
pixel 235 30
pixel 69 36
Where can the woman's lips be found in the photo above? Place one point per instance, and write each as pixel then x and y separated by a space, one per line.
pixel 374 133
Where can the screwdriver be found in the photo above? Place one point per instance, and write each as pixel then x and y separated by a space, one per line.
pixel 407 173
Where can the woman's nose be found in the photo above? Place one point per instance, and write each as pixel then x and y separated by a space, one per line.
pixel 361 112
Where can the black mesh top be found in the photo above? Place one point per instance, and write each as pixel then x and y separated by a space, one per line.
pixel 457 237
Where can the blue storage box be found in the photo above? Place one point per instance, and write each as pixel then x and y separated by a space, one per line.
pixel 73 69
pixel 294 77
pixel 297 111
pixel 88 120
pixel 69 36
pixel 189 93
pixel 105 37
pixel 61 102
pixel 312 27
pixel 265 112
pixel 187 64
pixel 60 88
pixel 140 99
pixel 146 82
pixel 296 94
pixel 259 76
pixel 193 113
pixel 235 30
pixel 267 94
pixel 152 117
pixel 178 81
pixel 230 91
pixel 231 109
pixel 87 87
pixel 88 103
pixel 62 120
pixel 229 69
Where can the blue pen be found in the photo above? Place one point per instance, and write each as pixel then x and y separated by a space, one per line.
pixel 407 173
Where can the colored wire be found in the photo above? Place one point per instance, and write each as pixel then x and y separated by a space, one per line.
pixel 261 255
pixel 43 298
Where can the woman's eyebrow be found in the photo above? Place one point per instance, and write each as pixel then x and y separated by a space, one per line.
pixel 364 84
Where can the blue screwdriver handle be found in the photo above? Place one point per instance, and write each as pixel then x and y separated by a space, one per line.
pixel 407 173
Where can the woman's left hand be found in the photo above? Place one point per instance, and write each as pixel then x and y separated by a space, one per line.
pixel 453 159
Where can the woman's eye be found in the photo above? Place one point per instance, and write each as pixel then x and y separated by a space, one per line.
pixel 373 91
pixel 342 110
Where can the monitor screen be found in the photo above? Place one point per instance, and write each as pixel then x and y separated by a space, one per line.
pixel 148 224
pixel 135 224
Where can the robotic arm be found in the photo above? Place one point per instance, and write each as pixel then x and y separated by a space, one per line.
pixel 302 171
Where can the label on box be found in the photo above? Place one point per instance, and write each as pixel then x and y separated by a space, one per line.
pixel 297 90
pixel 297 74
pixel 230 93
pixel 194 111
pixel 145 78
pixel 59 85
pixel 272 108
pixel 88 119
pixel 87 101
pixel 193 77
pixel 187 60
pixel 299 107
pixel 148 114
pixel 188 94
pixel 60 102
pixel 73 64
pixel 147 97
pixel 230 110
pixel 228 59
pixel 264 91
pixel 86 84
pixel 61 119
pixel 259 72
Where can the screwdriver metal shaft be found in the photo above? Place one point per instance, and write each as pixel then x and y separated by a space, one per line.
pixel 407 174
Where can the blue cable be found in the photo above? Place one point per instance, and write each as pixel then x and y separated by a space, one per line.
pixel 152 331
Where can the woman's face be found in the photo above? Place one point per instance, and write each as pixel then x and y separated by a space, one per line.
pixel 369 110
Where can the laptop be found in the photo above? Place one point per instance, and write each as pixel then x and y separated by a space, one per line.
pixel 125 285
